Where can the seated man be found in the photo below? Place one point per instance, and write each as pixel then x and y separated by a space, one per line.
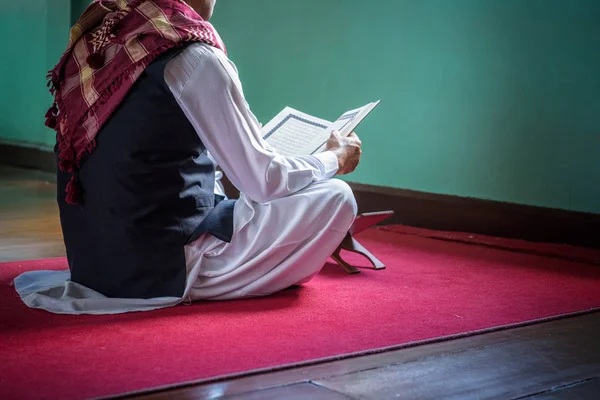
pixel 147 104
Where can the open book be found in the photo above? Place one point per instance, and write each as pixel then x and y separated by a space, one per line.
pixel 294 133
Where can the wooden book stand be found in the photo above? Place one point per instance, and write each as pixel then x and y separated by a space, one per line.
pixel 361 223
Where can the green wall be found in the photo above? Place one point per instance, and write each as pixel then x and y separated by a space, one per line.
pixel 77 8
pixel 494 99
pixel 33 34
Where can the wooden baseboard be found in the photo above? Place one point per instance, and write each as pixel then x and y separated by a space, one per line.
pixel 27 157
pixel 424 210
pixel 493 218
pixel 486 217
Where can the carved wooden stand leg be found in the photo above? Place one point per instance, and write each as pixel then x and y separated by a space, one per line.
pixel 351 244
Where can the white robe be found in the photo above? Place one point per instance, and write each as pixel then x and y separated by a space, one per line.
pixel 290 216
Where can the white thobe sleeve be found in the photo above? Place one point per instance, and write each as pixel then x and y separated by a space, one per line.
pixel 219 188
pixel 206 85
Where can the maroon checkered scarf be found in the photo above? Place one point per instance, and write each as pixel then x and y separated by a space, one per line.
pixel 109 48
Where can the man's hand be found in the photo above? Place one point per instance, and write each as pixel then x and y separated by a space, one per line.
pixel 347 149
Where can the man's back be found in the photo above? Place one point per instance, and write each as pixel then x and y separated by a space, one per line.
pixel 147 188
pixel 148 225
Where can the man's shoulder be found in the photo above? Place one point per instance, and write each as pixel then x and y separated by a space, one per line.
pixel 196 61
pixel 205 55
pixel 197 52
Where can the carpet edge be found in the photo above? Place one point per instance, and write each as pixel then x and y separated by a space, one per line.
pixel 345 356
pixel 439 235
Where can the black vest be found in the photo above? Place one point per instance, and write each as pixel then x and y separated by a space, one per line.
pixel 147 192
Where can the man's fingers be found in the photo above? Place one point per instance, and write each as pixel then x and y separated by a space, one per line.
pixel 355 138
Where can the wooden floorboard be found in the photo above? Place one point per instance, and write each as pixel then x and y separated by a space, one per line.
pixel 301 391
pixel 588 389
pixel 551 360
pixel 29 224
pixel 514 369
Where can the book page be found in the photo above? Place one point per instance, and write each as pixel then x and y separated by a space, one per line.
pixel 346 118
pixel 346 123
pixel 294 133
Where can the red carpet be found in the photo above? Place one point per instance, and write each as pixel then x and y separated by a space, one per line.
pixel 432 288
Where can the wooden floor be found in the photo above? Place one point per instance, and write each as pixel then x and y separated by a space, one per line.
pixel 552 360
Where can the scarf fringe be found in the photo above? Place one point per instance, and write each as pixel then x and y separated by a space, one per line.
pixel 74 190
